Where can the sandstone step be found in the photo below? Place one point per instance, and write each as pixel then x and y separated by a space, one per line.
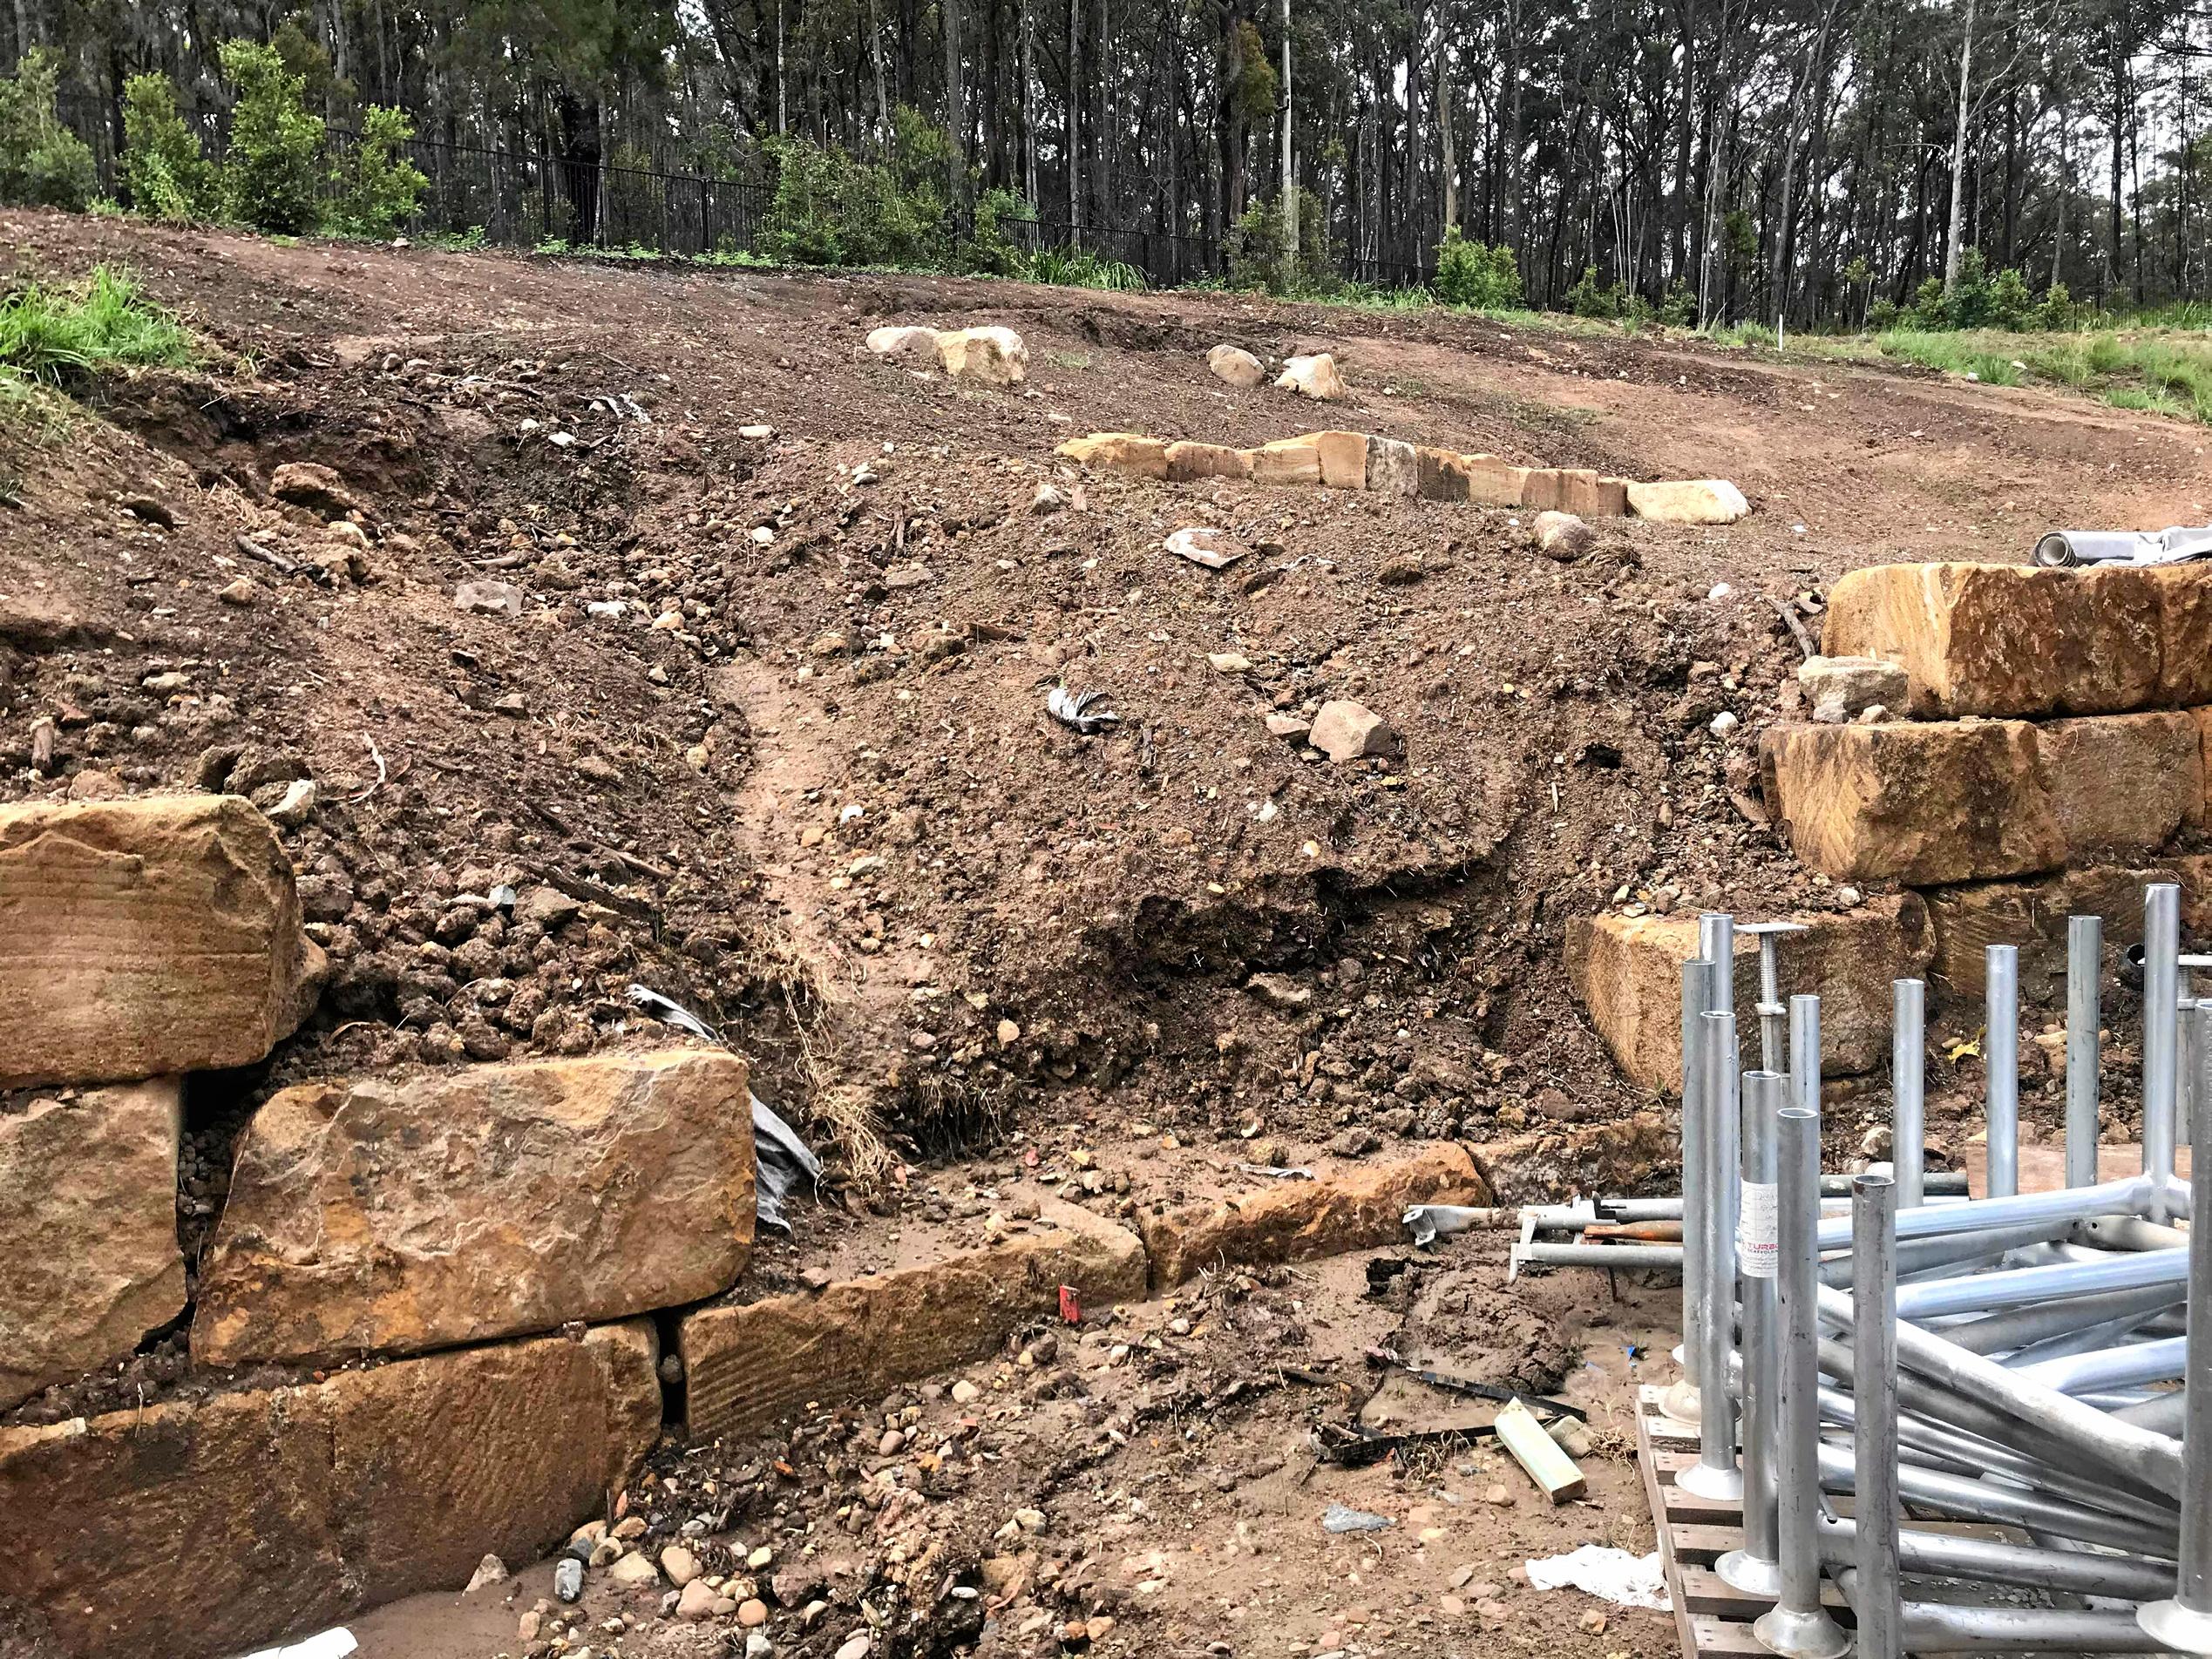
pixel 1357 1207
pixel 2031 916
pixel 88 1231
pixel 397 1213
pixel 1935 803
pixel 145 937
pixel 1628 971
pixel 2016 640
pixel 194 1529
pixel 749 1364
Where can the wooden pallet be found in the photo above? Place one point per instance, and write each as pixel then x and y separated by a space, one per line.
pixel 1712 1619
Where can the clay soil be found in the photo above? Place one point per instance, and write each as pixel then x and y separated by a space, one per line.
pixel 768 738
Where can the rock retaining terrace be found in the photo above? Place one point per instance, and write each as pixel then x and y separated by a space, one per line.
pixel 470 1256
pixel 1343 460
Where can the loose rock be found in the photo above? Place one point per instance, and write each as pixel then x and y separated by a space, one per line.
pixel 1236 366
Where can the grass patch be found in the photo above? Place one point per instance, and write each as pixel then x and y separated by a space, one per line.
pixel 53 333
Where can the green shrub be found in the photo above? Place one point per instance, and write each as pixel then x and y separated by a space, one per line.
pixel 832 209
pixel 50 333
pixel 1679 308
pixel 2056 310
pixel 1587 299
pixel 43 163
pixel 991 249
pixel 1258 258
pixel 1928 310
pixel 379 187
pixel 169 178
pixel 273 172
pixel 1489 278
pixel 1883 315
pixel 1080 268
pixel 2011 305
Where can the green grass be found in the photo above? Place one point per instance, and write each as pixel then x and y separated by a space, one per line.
pixel 53 333
pixel 2166 370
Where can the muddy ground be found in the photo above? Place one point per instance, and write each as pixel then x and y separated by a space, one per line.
pixel 767 735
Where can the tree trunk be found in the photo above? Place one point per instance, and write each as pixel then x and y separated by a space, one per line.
pixel 1074 115
pixel 1290 175
pixel 1444 125
pixel 955 115
pixel 1955 249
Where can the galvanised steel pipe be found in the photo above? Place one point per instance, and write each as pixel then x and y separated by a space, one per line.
pixel 1909 1090
pixel 2164 1412
pixel 2000 1333
pixel 2084 957
pixel 2152 1460
pixel 1943 1627
pixel 1924 1255
pixel 1972 1292
pixel 2128 1197
pixel 2183 1621
pixel 1952 1555
pixel 2129 1233
pixel 2105 1368
pixel 2129 1331
pixel 2001 1066
pixel 2161 970
pixel 1797 1626
pixel 1755 1569
pixel 1715 1474
pixel 1681 1401
pixel 1608 1255
pixel 1874 1429
pixel 1964 1498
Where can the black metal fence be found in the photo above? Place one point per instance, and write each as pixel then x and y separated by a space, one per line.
pixel 529 198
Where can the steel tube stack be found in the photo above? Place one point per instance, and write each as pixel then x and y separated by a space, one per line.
pixel 1715 1474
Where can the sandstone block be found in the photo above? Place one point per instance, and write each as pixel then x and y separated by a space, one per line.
pixel 2032 915
pixel 2122 782
pixel 1344 730
pixel 1593 495
pixel 1550 1166
pixel 1688 501
pixel 1354 1208
pixel 1440 475
pixel 1130 452
pixel 200 1528
pixel 395 1214
pixel 1544 490
pixel 145 937
pixel 2184 634
pixel 1287 460
pixel 750 1365
pixel 88 1229
pixel 1920 804
pixel 1839 688
pixel 1344 459
pixel 1493 482
pixel 1187 462
pixel 1393 468
pixel 1236 366
pixel 1312 376
pixel 1628 971
pixel 2012 639
pixel 318 488
pixel 989 357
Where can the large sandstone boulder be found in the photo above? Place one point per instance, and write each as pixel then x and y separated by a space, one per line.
pixel 1312 376
pixel 1343 456
pixel 1688 501
pixel 1287 460
pixel 747 1366
pixel 2031 916
pixel 2012 638
pixel 1354 1209
pixel 201 1528
pixel 145 937
pixel 392 1214
pixel 88 1231
pixel 1130 452
pixel 1236 366
pixel 1495 482
pixel 907 343
pixel 989 357
pixel 1187 462
pixel 1628 971
pixel 1920 804
pixel 1594 495
pixel 1394 467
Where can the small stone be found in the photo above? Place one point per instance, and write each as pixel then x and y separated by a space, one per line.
pixel 679 1565
pixel 752 1613
pixel 1842 688
pixel 889 1446
pixel 300 796
pixel 754 432
pixel 568 1578
pixel 1030 1521
pixel 759 1558
pixel 1402 572
pixel 240 591
pixel 1593 1622
pixel 1050 498
pixel 1348 731
pixel 1293 727
pixel 757 1646
pixel 1215 549
pixel 1009 1033
pixel 1281 991
pixel 855 1647
pixel 1236 366
pixel 1098 1627
pixel 489 1570
pixel 633 1570
pixel 1563 536
pixel 1496 1494
pixel 1228 662
pixel 965 1393
pixel 484 598
pixel 697 1601
pixel 1723 723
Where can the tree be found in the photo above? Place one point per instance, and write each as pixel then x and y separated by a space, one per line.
pixel 271 172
